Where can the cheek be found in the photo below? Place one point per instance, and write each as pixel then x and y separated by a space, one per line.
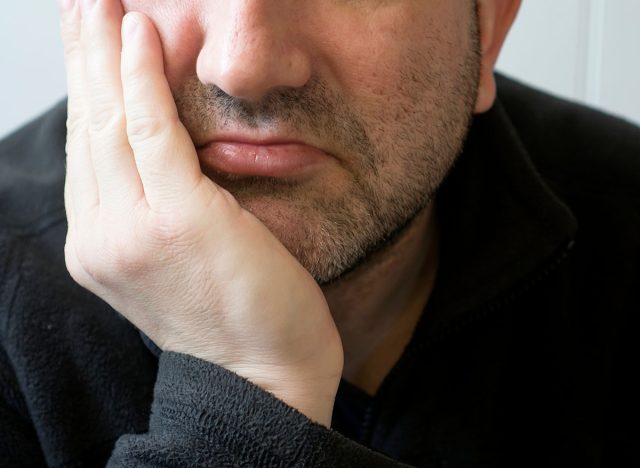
pixel 399 65
pixel 402 77
pixel 375 55
pixel 179 25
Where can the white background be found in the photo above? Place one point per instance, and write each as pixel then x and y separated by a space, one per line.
pixel 586 50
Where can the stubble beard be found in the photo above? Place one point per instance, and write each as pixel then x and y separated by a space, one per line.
pixel 334 226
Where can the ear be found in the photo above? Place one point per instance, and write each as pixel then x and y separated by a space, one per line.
pixel 495 18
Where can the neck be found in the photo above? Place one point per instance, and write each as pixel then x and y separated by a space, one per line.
pixel 377 306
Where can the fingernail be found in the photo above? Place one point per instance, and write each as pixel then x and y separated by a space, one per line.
pixel 87 5
pixel 129 26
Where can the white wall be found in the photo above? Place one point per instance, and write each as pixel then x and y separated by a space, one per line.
pixel 32 75
pixel 588 50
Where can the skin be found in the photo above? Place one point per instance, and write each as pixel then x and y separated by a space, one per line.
pixel 229 270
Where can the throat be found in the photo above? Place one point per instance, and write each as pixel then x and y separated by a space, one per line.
pixel 377 313
pixel 368 371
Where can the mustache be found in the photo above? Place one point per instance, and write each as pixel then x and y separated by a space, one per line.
pixel 308 110
pixel 279 105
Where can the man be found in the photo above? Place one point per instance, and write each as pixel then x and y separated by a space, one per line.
pixel 306 233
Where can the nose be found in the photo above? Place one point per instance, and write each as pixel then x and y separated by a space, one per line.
pixel 251 48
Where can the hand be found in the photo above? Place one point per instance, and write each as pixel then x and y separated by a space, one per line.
pixel 160 242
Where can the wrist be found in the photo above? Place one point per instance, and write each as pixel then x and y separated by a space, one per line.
pixel 311 390
pixel 312 398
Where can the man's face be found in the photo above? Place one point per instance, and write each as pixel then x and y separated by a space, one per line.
pixel 385 87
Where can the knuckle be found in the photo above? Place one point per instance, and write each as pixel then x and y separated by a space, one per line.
pixel 74 267
pixel 70 34
pixel 75 126
pixel 107 119
pixel 88 268
pixel 145 128
pixel 124 257
pixel 106 263
pixel 172 233
pixel 168 229
pixel 71 47
pixel 83 265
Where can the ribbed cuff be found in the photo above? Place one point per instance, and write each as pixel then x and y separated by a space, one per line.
pixel 211 403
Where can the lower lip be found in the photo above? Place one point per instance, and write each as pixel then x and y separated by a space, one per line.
pixel 277 160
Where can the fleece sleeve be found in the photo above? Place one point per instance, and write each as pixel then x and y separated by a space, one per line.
pixel 205 415
pixel 18 439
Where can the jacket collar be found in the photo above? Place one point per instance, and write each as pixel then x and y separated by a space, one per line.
pixel 500 224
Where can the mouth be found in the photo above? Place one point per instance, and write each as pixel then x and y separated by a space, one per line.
pixel 277 158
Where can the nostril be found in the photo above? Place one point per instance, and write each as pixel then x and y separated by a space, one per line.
pixel 249 64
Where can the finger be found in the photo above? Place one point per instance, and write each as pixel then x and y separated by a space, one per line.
pixel 119 184
pixel 165 155
pixel 81 193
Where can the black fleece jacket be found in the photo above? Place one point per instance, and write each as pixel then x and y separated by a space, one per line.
pixel 526 354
